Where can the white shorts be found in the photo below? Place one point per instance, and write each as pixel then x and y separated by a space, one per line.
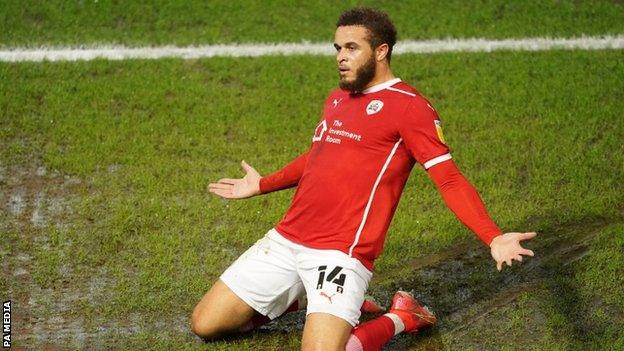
pixel 275 272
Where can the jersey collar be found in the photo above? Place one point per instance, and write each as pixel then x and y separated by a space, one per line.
pixel 381 86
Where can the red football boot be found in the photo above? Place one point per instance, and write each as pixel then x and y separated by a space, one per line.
pixel 413 315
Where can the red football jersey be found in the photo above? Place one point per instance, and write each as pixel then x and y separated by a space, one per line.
pixel 362 152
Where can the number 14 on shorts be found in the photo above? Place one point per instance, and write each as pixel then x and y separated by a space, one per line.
pixel 334 277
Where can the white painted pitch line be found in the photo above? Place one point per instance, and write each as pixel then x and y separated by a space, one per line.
pixel 522 44
pixel 325 49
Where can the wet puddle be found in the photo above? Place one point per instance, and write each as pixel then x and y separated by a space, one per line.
pixel 460 284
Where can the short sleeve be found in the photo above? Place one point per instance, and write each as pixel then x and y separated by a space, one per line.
pixel 421 130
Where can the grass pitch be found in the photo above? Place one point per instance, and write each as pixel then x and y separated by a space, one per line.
pixel 109 237
pixel 34 23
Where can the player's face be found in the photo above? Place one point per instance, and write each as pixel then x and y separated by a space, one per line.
pixel 355 58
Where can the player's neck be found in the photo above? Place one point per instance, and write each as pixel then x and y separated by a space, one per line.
pixel 382 75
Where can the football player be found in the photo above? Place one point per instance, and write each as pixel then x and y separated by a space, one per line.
pixel 374 128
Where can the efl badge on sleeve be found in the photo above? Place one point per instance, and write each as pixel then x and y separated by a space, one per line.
pixel 374 107
pixel 438 126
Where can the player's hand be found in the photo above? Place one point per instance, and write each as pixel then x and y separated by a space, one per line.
pixel 505 248
pixel 247 186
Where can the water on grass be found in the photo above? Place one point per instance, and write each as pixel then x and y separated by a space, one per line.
pixel 460 283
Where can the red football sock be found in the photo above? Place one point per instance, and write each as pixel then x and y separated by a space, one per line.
pixel 372 335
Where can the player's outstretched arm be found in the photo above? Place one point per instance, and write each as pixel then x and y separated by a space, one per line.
pixel 286 177
pixel 253 183
pixel 241 188
pixel 463 199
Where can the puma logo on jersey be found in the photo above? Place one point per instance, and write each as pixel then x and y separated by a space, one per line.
pixel 374 107
pixel 327 296
pixel 336 102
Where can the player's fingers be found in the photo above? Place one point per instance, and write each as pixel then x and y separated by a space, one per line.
pixel 227 180
pixel 246 166
pixel 508 261
pixel 220 186
pixel 223 193
pixel 217 190
pixel 525 236
pixel 527 252
pixel 518 258
pixel 499 265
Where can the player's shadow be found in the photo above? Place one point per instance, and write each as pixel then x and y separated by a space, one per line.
pixel 462 285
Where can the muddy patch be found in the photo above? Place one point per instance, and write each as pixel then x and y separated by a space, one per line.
pixel 16 203
pixel 463 287
pixel 460 284
pixel 37 204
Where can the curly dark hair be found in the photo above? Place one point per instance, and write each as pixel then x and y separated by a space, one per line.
pixel 380 27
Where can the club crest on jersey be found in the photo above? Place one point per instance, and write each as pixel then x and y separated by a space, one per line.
pixel 374 107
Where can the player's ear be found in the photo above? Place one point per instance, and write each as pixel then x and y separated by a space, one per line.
pixel 381 52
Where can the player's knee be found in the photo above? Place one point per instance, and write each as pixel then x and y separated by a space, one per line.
pixel 204 326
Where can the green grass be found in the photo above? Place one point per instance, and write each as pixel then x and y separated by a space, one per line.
pixel 33 23
pixel 579 306
pixel 539 134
